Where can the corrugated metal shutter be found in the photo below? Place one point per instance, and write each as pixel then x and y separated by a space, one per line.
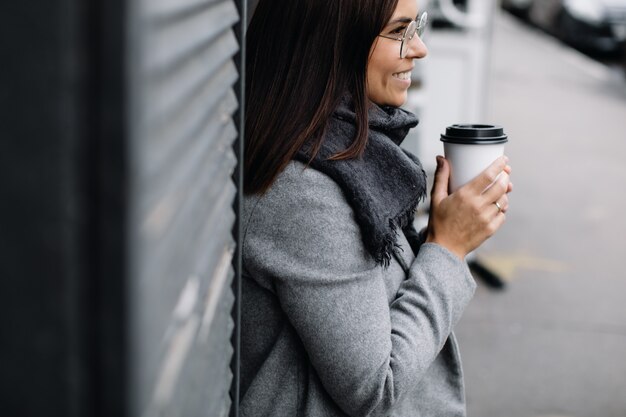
pixel 181 194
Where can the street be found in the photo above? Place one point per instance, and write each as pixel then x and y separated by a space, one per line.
pixel 553 342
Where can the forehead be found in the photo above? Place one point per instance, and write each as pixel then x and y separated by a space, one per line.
pixel 405 8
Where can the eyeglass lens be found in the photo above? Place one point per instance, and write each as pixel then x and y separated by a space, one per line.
pixel 410 31
pixel 408 35
pixel 421 25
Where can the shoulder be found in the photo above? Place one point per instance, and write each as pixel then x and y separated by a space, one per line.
pixel 303 218
pixel 296 192
pixel 298 181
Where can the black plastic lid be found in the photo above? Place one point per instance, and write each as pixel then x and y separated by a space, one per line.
pixel 475 134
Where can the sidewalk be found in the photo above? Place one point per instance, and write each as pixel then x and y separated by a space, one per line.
pixel 553 343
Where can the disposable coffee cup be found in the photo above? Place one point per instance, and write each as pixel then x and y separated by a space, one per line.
pixel 470 148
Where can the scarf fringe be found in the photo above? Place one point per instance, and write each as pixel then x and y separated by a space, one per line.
pixel 390 244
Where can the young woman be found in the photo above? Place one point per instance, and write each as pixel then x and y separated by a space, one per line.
pixel 347 310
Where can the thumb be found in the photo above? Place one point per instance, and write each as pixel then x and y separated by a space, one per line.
pixel 440 186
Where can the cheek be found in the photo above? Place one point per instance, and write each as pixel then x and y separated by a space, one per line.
pixel 383 63
pixel 379 70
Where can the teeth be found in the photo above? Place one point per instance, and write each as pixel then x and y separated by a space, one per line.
pixel 403 75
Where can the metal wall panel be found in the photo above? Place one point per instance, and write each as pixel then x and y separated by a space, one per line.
pixel 181 78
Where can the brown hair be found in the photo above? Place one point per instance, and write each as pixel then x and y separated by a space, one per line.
pixel 302 56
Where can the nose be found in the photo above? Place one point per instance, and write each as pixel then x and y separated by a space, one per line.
pixel 417 48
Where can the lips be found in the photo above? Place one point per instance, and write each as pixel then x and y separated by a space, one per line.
pixel 402 75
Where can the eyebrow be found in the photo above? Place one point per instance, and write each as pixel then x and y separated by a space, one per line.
pixel 402 20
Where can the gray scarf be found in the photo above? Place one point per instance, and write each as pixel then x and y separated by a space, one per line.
pixel 383 187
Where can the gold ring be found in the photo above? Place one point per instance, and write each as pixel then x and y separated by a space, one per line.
pixel 499 207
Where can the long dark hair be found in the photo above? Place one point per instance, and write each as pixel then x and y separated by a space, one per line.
pixel 302 56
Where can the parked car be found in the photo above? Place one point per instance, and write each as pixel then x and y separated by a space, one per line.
pixel 603 21
pixel 591 25
pixel 517 7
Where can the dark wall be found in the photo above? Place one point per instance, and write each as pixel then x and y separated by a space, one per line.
pixel 61 236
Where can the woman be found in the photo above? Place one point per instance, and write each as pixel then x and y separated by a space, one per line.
pixel 346 310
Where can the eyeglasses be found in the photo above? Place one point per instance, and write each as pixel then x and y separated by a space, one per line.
pixel 410 31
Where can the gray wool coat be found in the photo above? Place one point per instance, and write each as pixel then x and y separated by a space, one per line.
pixel 328 332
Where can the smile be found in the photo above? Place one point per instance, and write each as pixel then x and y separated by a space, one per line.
pixel 402 75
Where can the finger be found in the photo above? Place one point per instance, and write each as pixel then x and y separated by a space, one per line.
pixel 510 187
pixel 488 176
pixel 501 205
pixel 440 185
pixel 496 223
pixel 497 189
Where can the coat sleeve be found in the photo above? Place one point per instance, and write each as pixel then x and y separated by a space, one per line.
pixel 303 243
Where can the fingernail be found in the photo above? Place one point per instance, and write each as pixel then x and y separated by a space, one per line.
pixel 439 161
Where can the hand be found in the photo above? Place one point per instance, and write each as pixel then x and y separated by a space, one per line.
pixel 463 220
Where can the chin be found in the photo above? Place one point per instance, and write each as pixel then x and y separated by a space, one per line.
pixel 393 100
pixel 398 100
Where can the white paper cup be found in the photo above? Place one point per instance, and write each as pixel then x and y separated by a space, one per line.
pixel 470 149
